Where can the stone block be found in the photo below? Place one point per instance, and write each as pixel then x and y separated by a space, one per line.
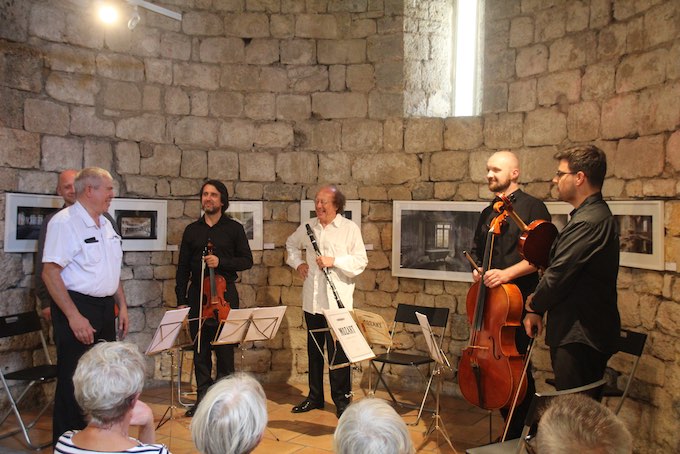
pixel 282 25
pixel 260 106
pixel 222 50
pixel 598 81
pixel 531 60
pixel 360 77
pixel 384 48
pixel 98 153
pixel 336 77
pixel 316 26
pixel 626 163
pixel 348 51
pixel 658 109
pixel 318 135
pixel 158 71
pixel 142 292
pixel 522 96
pixel 396 170
pixel 335 167
pixel 390 75
pixel 578 15
pixel 223 165
pixel 574 51
pixel 550 23
pixel 463 133
pixel 499 65
pixel 47 22
pixel 141 186
pixel 556 88
pixel 521 31
pixel 59 57
pixel 423 135
pixel 120 96
pixel 393 134
pixel 46 117
pixel 127 157
pixel 383 105
pixel 72 88
pixel 256 166
pixel 236 134
pixel 12 108
pixel 273 79
pixel 165 161
pixel 273 135
pixel 658 187
pixel 247 25
pixel 36 182
pixel 83 33
pixel 661 23
pixel 20 67
pixel 298 52
pixel 583 121
pixel 339 105
pixel 120 67
pixel 84 121
pixel 600 13
pixel 612 41
pixel 226 104
pixel 19 149
pixel 61 153
pixel 196 75
pixel 202 23
pixel 297 167
pixel 175 46
pixel 448 165
pixel 144 128
pixel 199 103
pixel 151 98
pixel 293 107
pixel 642 70
pixel 503 130
pixel 196 131
pixel 545 127
pixel 177 101
pixel 619 116
pixel 361 135
pixel 262 52
pixel 673 152
pixel 537 163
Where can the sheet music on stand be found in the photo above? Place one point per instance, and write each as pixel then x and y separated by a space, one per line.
pixel 346 331
pixel 436 353
pixel 168 329
pixel 252 324
pixel 373 327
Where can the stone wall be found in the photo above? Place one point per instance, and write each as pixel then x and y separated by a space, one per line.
pixel 277 97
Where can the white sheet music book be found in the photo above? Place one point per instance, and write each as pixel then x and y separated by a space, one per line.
pixel 373 327
pixel 168 329
pixel 261 323
pixel 347 332
pixel 430 338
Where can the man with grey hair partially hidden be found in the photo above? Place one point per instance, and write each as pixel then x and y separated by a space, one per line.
pixel 232 416
pixel 108 382
pixel 82 262
pixel 371 426
pixel 577 423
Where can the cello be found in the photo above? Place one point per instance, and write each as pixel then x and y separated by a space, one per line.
pixel 490 367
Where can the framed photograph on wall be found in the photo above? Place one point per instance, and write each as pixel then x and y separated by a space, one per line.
pixel 428 239
pixel 352 211
pixel 249 215
pixel 641 230
pixel 142 223
pixel 24 216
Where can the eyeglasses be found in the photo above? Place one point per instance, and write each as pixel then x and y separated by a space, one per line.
pixel 559 174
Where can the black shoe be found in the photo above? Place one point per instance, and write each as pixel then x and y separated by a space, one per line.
pixel 305 406
pixel 340 409
pixel 190 412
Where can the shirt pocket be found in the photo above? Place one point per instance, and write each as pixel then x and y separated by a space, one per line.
pixel 93 252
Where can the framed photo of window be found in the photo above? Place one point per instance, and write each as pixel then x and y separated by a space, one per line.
pixel 24 216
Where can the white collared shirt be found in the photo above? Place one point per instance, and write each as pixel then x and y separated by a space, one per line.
pixel 90 256
pixel 340 239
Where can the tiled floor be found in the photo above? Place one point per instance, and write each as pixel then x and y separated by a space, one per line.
pixel 303 433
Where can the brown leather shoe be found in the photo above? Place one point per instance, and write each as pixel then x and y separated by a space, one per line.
pixel 305 406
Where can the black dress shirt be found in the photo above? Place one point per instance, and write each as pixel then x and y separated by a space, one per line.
pixel 505 251
pixel 578 289
pixel 230 245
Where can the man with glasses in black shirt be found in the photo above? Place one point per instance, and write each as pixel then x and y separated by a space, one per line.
pixel 578 289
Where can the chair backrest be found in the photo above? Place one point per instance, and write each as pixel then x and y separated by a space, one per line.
pixel 541 399
pixel 437 316
pixel 13 325
pixel 633 343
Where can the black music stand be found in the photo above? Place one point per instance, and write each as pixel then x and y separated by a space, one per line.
pixel 442 363
pixel 164 340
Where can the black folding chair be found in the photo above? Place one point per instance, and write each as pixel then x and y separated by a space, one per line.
pixel 25 325
pixel 406 314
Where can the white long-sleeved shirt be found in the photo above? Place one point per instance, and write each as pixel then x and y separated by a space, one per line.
pixel 340 239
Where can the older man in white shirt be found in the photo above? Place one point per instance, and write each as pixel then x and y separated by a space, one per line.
pixel 343 254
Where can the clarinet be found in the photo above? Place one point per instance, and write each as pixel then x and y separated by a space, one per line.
pixel 312 238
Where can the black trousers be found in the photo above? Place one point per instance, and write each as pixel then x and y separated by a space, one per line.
pixel 224 354
pixel 576 365
pixel 341 386
pixel 99 311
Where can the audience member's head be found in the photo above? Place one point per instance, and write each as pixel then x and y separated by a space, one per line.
pixel 108 381
pixel 231 418
pixel 577 423
pixel 371 426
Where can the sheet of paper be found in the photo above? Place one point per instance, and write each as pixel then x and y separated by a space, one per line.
pixel 253 324
pixel 373 327
pixel 167 331
pixel 348 334
pixel 430 339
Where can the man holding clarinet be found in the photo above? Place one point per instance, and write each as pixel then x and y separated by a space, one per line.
pixel 334 255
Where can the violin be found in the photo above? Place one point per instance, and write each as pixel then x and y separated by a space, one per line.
pixel 536 238
pixel 214 288
pixel 490 367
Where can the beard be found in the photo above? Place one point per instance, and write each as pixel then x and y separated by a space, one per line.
pixel 498 186
pixel 212 209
